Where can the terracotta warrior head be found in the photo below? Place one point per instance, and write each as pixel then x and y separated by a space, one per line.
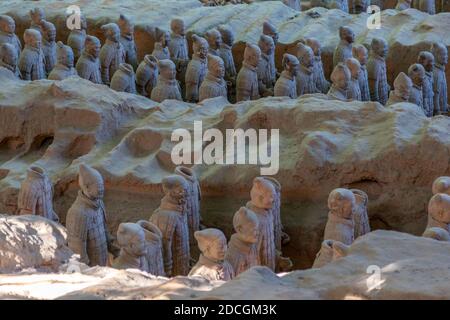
pixel 167 69
pixel 48 31
pixel 305 55
pixel 246 225
pixel 426 59
pixel 131 239
pixel 175 187
pixel 227 34
pixel 216 66
pixel 32 38
pixel 162 36
pixel 92 46
pixel 8 55
pixel 354 66
pixel 346 34
pixel 212 243
pixel 111 31
pixel 440 53
pixel 417 74
pixel 402 86
pixel 91 182
pixel 270 30
pixel 177 26
pixel 441 185
pixel 37 15
pixel 379 46
pixel 7 24
pixel 214 38
pixel 262 193
pixel 252 54
pixel 200 46
pixel 266 44
pixel 125 25
pixel 290 64
pixel 360 53
pixel 341 202
pixel 64 54
pixel 439 208
pixel 340 76
pixel 314 44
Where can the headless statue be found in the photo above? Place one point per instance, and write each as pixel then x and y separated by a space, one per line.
pixel 153 260
pixel 330 251
pixel 146 75
pixel 402 89
pixel 88 64
pixel 124 79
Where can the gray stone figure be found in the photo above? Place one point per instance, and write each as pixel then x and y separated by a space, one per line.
pixel 340 78
pixel 214 38
pixel 37 16
pixel 403 5
pixel 305 77
pixel 294 4
pixel 426 59
pixel 270 30
pixel 266 68
pixel 49 45
pixel 360 53
pixel 64 68
pixel 124 79
pixel 196 69
pixel 427 6
pixel 9 59
pixel 344 49
pixel 112 54
pixel 127 40
pixel 132 243
pixel 36 194
pixel 440 54
pixel 322 84
pixel 439 212
pixel 7 33
pixel 153 259
pixel 242 253
pixel 31 60
pixel 87 233
pixel 402 89
pixel 353 90
pixel 214 84
pixel 417 74
pixel 247 85
pixel 77 38
pixel 167 86
pixel 162 41
pixel 146 75
pixel 226 53
pixel 360 216
pixel 376 71
pixel 171 219
pixel 286 84
pixel 330 250
pixel 178 48
pixel 88 64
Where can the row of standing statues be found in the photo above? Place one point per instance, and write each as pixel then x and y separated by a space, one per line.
pixel 163 244
pixel 169 73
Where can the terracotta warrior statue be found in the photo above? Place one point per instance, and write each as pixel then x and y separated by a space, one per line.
pixel 9 59
pixel 376 71
pixel 212 264
pixel 427 6
pixel 178 48
pixel 242 253
pixel 146 75
pixel 31 61
pixel 305 75
pixel 270 30
pixel 344 49
pixel 426 59
pixel 360 217
pixel 437 233
pixel 214 38
pixel 402 89
pixel 131 240
pixel 214 84
pixel 167 86
pixel 7 33
pixel 87 232
pixel 340 225
pixel 112 54
pixel 319 79
pixel 36 194
pixel 153 259
pixel 247 85
pixel 124 79
pixel 416 73
pixel 77 38
pixel 440 54
pixel 64 68
pixel 266 68
pixel 439 212
pixel 403 5
pixel 340 78
pixel 196 69
pixel 37 16
pixel 360 53
pixel 330 251
pixel 262 200
pixel 286 85
pixel 162 41
pixel 441 185
pixel 171 219
pixel 353 91
pixel 49 45
pixel 88 64
pixel 226 53
pixel 127 40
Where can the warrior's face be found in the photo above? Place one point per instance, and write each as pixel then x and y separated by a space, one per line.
pixel 179 28
pixel 349 36
pixel 179 193
pixel 137 245
pixel 96 190
pixel 217 249
pixel 50 34
pixel 8 26
pixel 428 64
pixel 218 69
pixel 249 232
pixel 442 56
pixel 362 56
pixel 418 78
pixel 94 49
pixel 168 72
pixel 203 51
pixel 35 41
